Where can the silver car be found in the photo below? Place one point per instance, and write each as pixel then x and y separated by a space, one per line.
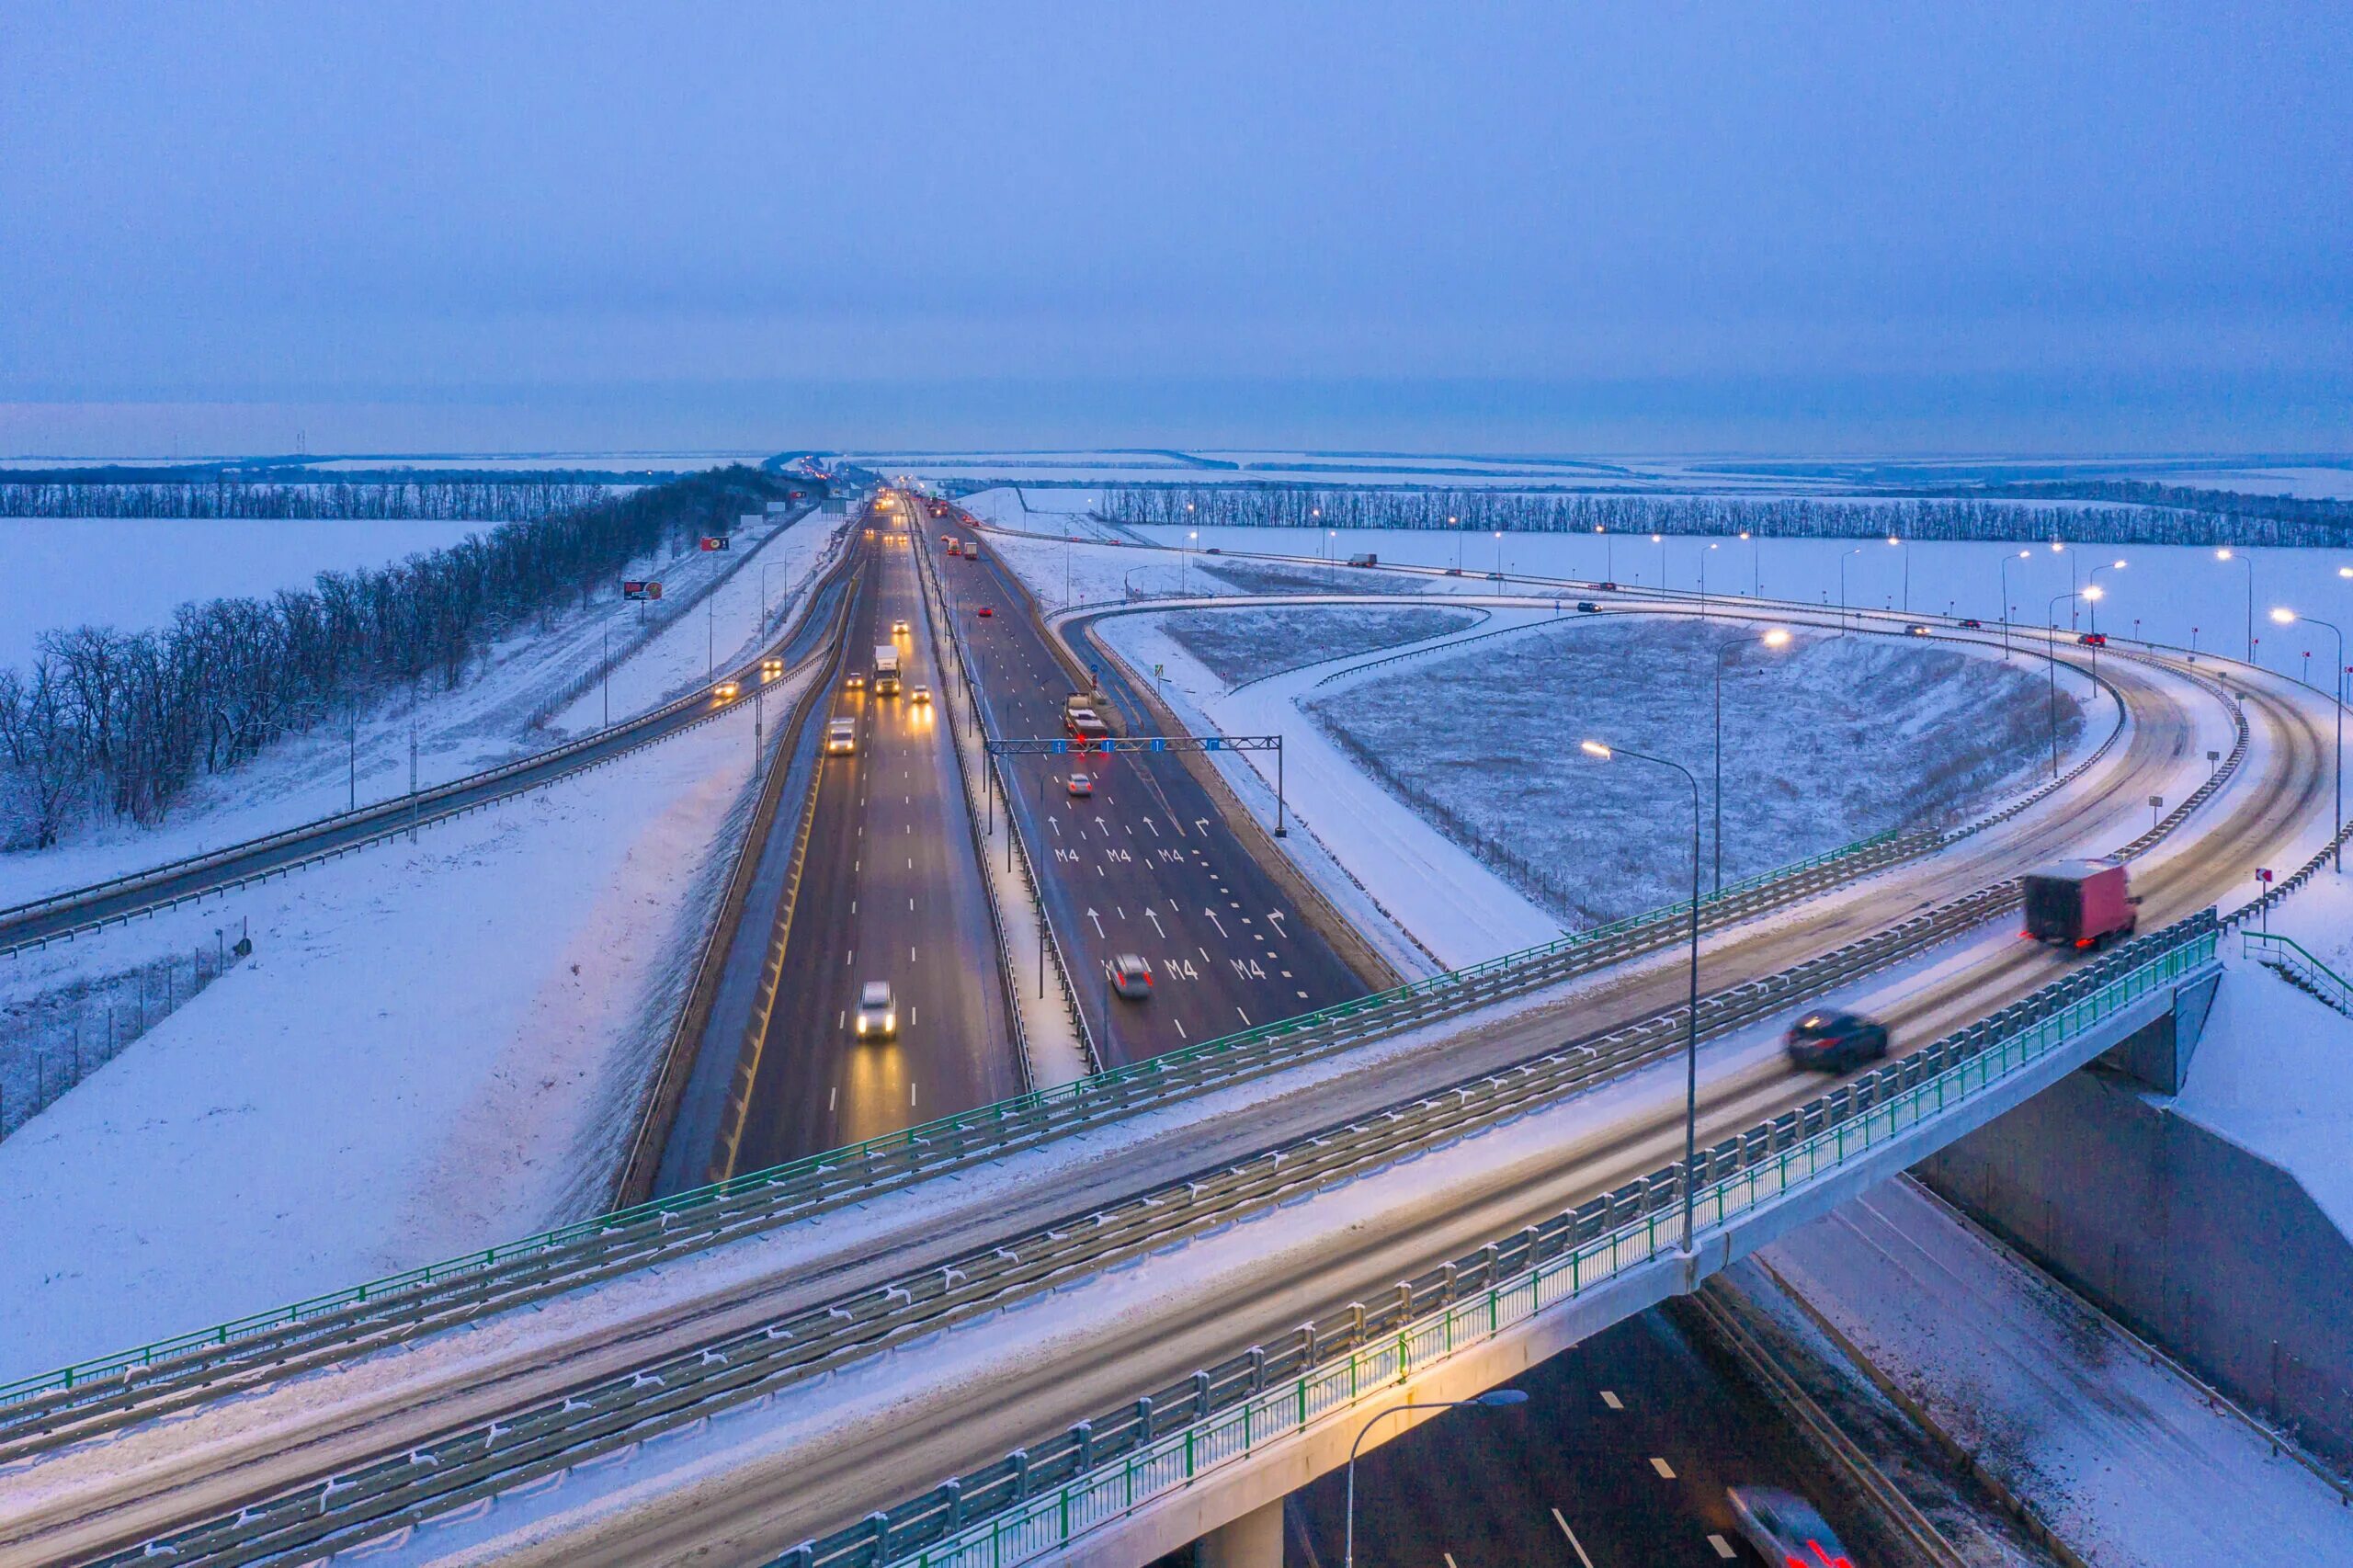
pixel 1786 1529
pixel 878 1013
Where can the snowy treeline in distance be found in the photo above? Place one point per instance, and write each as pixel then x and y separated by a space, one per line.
pixel 484 500
pixel 119 722
pixel 2162 517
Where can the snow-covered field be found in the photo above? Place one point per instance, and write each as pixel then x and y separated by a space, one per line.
pixel 2165 592
pixel 433 1048
pixel 1239 645
pixel 130 573
pixel 1826 741
pixel 2123 1457
pixel 487 720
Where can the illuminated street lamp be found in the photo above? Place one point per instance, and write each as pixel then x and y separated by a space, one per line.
pixel 1660 540
pixel 1692 1017
pixel 2052 648
pixel 2094 593
pixel 1754 591
pixel 2021 555
pixel 1776 638
pixel 2286 616
pixel 1490 1400
pixel 1894 542
pixel 1842 587
pixel 2225 554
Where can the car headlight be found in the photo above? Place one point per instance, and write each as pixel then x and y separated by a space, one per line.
pixel 890 1020
pixel 861 1023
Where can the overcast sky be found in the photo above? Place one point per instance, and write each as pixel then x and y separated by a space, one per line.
pixel 1646 227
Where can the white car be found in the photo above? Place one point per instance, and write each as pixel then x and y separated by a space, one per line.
pixel 841 737
pixel 919 693
pixel 1785 1527
pixel 878 1015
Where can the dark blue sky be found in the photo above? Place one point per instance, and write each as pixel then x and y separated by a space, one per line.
pixel 1639 227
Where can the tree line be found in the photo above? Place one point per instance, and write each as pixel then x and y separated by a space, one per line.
pixel 434 500
pixel 2124 521
pixel 112 722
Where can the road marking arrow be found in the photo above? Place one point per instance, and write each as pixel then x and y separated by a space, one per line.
pixel 1277 916
pixel 1098 923
pixel 1154 916
pixel 1216 922
pixel 1202 826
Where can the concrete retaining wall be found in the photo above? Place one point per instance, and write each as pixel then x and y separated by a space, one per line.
pixel 2196 1244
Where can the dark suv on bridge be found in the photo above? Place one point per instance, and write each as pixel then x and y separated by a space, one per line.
pixel 1831 1042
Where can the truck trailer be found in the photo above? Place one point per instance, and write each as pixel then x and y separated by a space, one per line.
pixel 886 670
pixel 2079 903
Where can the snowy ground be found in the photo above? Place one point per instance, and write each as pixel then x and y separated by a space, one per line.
pixel 2123 1457
pixel 130 573
pixel 434 1048
pixel 2167 593
pixel 487 720
pixel 1240 645
pixel 1824 742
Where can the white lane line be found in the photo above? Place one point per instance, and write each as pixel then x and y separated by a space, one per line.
pixel 910 1091
pixel 1572 1539
pixel 1245 1018
pixel 1449 1558
pixel 851 957
pixel 1666 1470
pixel 1723 1548
pixel 842 1024
pixel 1612 1400
pixel 1180 1028
pixel 853 906
pixel 835 1093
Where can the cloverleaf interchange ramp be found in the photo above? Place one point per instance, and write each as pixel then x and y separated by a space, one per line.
pixel 2244 812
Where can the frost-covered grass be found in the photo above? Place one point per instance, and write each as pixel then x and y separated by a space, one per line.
pixel 1278 577
pixel 1484 745
pixel 1249 644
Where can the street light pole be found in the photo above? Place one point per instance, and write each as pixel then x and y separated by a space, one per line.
pixel 1842 587
pixel 2092 593
pixel 1490 1400
pixel 1895 543
pixel 1776 638
pixel 2021 555
pixel 2289 618
pixel 2225 554
pixel 1691 1017
pixel 2051 648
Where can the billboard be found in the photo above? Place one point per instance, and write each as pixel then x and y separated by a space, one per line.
pixel 630 590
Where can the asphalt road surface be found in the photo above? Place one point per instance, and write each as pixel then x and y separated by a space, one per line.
pixel 1142 865
pixel 1620 1459
pixel 890 891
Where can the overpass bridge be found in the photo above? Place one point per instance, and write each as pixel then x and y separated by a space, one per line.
pixel 1068 1302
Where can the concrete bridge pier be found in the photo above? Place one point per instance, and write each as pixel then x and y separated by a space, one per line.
pixel 1254 1540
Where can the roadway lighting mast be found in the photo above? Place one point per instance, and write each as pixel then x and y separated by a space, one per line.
pixel 1842 587
pixel 2094 593
pixel 2225 554
pixel 1895 543
pixel 2051 648
pixel 2286 616
pixel 1692 1017
pixel 1776 638
pixel 2021 555
pixel 1755 589
pixel 1490 1399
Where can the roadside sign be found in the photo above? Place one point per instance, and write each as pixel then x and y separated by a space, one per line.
pixel 715 541
pixel 641 590
pixel 2263 873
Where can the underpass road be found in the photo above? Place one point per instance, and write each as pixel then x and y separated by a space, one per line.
pixel 1146 864
pixel 890 891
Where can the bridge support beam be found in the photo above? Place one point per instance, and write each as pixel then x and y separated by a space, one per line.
pixel 1254 1540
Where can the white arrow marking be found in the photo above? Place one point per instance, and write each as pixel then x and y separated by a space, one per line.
pixel 1153 825
pixel 1098 923
pixel 1154 916
pixel 1277 916
pixel 1055 822
pixel 1216 922
pixel 1202 826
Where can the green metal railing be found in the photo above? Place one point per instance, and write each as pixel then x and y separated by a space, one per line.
pixel 1053 1520
pixel 946 1139
pixel 2289 957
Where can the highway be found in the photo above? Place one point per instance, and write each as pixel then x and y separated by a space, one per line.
pixel 1145 865
pixel 890 891
pixel 1236 1298
pixel 56 916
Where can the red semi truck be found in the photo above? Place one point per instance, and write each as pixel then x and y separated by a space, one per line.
pixel 2079 903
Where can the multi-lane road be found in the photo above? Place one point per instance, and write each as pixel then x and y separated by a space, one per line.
pixel 891 892
pixel 1147 864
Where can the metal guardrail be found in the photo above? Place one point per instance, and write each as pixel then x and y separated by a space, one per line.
pixel 1228 1413
pixel 2299 967
pixel 764 1199
pixel 399 814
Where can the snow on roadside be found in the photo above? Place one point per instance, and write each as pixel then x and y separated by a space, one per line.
pixel 2123 1457
pixel 434 1048
pixel 480 724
